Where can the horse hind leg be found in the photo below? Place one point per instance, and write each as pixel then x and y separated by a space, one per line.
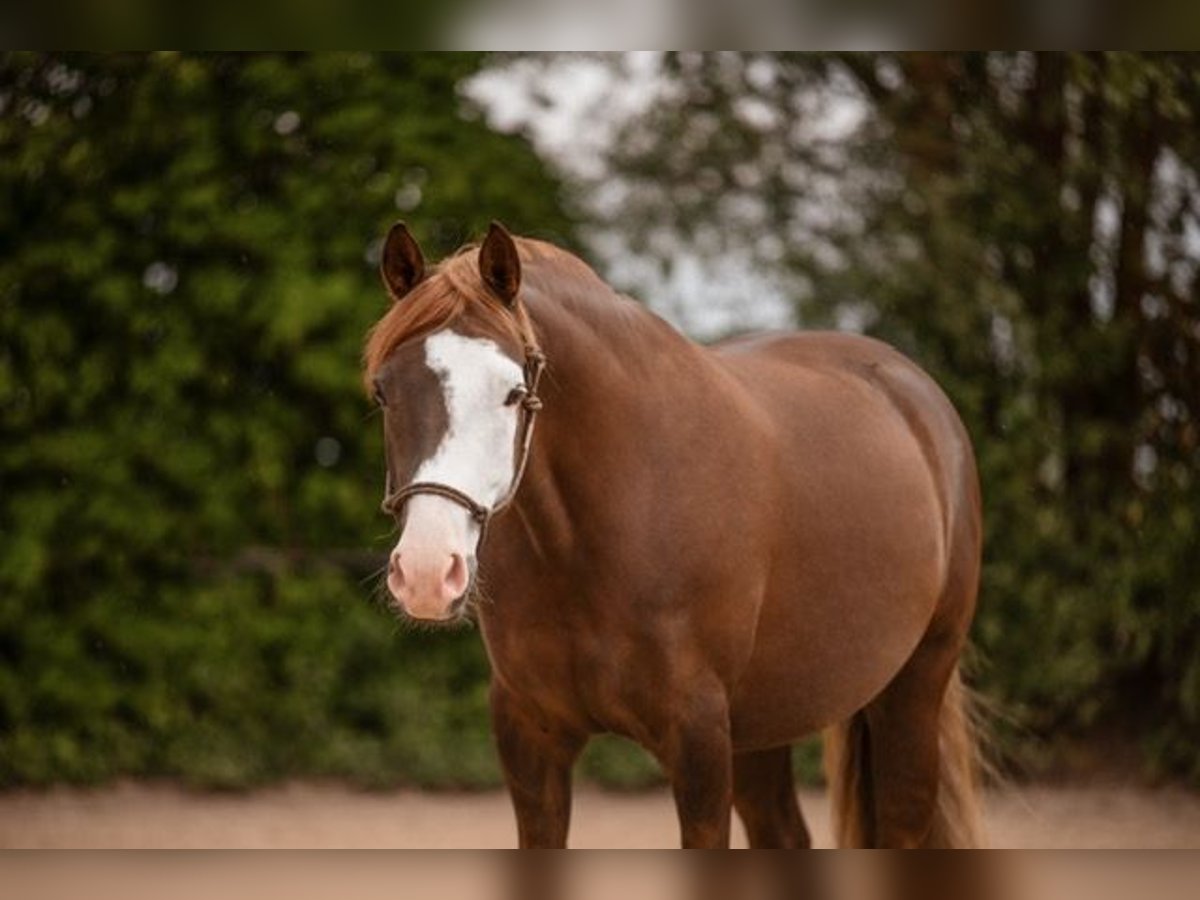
pixel 764 795
pixel 923 759
pixel 905 766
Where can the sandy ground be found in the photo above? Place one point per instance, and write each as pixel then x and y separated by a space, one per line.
pixel 307 816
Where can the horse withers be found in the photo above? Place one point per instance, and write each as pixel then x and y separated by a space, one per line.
pixel 714 551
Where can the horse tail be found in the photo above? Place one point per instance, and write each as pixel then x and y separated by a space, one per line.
pixel 957 814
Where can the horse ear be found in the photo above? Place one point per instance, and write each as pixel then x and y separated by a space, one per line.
pixel 402 266
pixel 499 264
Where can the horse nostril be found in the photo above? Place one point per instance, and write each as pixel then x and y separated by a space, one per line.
pixel 394 569
pixel 456 575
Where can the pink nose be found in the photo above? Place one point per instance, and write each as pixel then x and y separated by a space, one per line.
pixel 427 588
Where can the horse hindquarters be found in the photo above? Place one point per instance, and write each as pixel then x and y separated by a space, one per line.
pixel 904 770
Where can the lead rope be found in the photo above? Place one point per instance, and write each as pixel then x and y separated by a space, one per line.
pixel 531 404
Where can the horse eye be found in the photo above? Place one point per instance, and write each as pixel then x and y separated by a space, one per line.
pixel 379 398
pixel 514 396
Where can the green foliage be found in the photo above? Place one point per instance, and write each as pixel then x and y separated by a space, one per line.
pixel 235 680
pixel 187 270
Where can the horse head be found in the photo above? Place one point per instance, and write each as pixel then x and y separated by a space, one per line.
pixel 454 366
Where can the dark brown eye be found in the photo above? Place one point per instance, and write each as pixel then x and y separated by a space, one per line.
pixel 379 398
pixel 514 396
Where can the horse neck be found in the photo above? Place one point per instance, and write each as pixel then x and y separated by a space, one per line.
pixel 608 357
pixel 612 368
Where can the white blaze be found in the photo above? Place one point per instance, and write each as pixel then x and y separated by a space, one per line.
pixel 476 453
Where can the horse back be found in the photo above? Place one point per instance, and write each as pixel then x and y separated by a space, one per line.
pixel 775 368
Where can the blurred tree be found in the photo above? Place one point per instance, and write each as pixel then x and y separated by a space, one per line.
pixel 1027 226
pixel 187 269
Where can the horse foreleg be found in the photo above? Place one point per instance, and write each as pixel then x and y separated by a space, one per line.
pixel 537 757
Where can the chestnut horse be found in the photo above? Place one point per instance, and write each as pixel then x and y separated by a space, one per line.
pixel 714 551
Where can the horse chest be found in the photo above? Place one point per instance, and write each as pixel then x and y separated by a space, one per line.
pixel 578 674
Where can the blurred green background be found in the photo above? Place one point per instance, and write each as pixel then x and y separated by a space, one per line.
pixel 190 475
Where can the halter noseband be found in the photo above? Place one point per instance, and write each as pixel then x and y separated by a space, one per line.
pixel 526 397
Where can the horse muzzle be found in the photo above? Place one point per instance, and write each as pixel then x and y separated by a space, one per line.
pixel 429 587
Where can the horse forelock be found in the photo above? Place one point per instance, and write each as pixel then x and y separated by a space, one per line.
pixel 452 288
